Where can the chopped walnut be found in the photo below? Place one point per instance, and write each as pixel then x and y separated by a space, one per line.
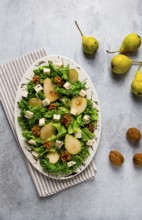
pixel 36 79
pixel 47 144
pixel 66 120
pixel 36 130
pixel 91 127
pixel 52 106
pixel 65 155
pixel 59 81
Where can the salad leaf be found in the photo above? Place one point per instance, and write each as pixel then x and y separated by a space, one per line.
pixel 29 135
pixel 64 110
pixel 54 168
pixel 86 134
pixel 31 90
pixel 80 120
pixel 23 122
pixel 61 132
pixel 23 104
pixel 74 90
pixel 64 72
pixel 66 102
pixel 91 111
pixel 40 150
pixel 39 112
pixel 40 95
pixel 73 127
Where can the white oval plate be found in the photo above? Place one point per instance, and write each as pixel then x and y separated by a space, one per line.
pixel 91 93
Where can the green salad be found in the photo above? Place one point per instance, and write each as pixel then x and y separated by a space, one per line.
pixel 57 119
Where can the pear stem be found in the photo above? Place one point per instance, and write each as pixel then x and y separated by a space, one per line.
pixel 139 66
pixel 78 28
pixel 112 51
pixel 137 62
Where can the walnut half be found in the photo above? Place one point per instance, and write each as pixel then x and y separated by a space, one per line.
pixel 137 159
pixel 116 157
pixel 133 135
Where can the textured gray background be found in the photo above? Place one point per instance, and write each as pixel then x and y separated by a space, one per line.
pixel 116 193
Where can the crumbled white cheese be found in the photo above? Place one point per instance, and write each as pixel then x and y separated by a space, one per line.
pixel 24 94
pixel 78 134
pixel 71 163
pixel 41 122
pixel 33 142
pixel 59 144
pixel 58 65
pixel 29 114
pixel 86 119
pixel 35 154
pixel 73 111
pixel 46 70
pixel 82 93
pixel 56 117
pixel 67 85
pixel 45 102
pixel 38 88
pixel 90 142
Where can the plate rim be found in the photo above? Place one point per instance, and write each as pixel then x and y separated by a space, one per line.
pixel 34 65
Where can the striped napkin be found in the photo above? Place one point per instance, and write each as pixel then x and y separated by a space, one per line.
pixel 11 74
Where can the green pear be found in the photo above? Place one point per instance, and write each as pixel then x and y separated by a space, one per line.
pixel 130 43
pixel 35 102
pixel 136 86
pixel 90 44
pixel 73 75
pixel 120 64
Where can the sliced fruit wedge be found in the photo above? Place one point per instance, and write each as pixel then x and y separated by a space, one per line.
pixel 53 157
pixel 47 131
pixel 72 145
pixel 35 102
pixel 49 90
pixel 73 75
pixel 79 104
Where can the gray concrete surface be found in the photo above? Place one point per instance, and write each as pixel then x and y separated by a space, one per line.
pixel 116 193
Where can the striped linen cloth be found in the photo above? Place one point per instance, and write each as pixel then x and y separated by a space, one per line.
pixel 11 74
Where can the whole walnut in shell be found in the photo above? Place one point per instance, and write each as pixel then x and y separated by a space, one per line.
pixel 137 159
pixel 116 157
pixel 133 135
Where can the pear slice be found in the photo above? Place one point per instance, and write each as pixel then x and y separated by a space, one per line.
pixel 53 157
pixel 49 90
pixel 72 145
pixel 73 75
pixel 47 131
pixel 35 102
pixel 79 104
